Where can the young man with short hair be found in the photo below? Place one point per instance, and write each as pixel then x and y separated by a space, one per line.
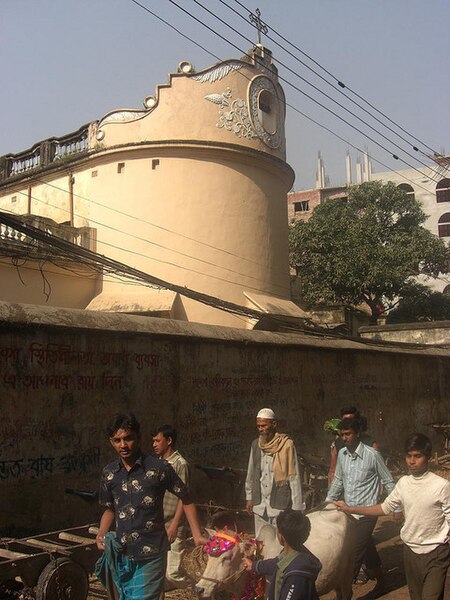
pixel 293 574
pixel 132 491
pixel 164 447
pixel 425 499
pixel 360 470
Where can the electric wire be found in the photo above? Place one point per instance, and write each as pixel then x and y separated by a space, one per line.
pixel 337 89
pixel 341 84
pixel 295 109
pixel 159 260
pixel 171 231
pixel 332 112
pixel 91 258
pixel 71 272
pixel 69 250
pixel 317 89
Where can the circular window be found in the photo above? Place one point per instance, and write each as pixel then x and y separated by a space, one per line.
pixel 266 111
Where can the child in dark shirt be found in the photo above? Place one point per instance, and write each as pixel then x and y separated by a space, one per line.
pixel 294 572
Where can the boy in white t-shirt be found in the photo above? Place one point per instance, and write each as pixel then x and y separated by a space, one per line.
pixel 425 500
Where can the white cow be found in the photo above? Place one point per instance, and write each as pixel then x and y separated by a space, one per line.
pixel 332 540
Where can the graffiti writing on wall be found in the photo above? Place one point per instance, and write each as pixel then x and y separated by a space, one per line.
pixel 59 356
pixel 43 466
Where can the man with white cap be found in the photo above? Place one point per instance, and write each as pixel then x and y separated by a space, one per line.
pixel 273 476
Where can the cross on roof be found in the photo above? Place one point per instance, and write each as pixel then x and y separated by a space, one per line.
pixel 255 20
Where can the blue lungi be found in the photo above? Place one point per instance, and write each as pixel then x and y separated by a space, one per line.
pixel 134 579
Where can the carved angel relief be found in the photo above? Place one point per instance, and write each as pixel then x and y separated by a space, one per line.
pixel 219 72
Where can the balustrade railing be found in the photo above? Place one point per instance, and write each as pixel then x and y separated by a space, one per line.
pixel 45 153
pixel 84 237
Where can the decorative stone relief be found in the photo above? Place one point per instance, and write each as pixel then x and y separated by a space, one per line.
pixel 236 119
pixel 217 73
pixel 123 116
pixel 258 85
pixel 127 115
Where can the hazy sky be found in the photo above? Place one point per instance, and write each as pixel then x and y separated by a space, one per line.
pixel 67 62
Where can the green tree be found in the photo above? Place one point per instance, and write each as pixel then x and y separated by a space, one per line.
pixel 419 303
pixel 366 248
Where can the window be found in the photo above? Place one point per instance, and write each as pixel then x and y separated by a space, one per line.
pixel 120 167
pixel 443 191
pixel 302 206
pixel 444 225
pixel 155 163
pixel 267 112
pixel 408 189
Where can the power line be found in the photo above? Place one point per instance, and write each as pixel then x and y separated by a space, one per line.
pixel 141 220
pixel 337 89
pixel 296 87
pixel 317 89
pixel 95 260
pixel 297 110
pixel 340 83
pixel 67 250
pixel 160 260
pixel 64 250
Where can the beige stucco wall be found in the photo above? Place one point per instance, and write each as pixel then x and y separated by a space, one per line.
pixel 37 282
pixel 64 372
pixel 172 192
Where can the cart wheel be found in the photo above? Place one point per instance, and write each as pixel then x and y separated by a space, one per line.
pixel 62 579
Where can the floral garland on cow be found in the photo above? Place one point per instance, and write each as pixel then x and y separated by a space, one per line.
pixel 222 542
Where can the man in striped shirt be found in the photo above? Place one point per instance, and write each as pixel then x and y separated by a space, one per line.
pixel 360 470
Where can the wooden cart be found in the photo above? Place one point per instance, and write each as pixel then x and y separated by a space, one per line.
pixel 52 566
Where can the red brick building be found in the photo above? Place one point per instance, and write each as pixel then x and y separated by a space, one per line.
pixel 301 204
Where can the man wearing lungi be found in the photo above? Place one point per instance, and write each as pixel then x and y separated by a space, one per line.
pixel 132 491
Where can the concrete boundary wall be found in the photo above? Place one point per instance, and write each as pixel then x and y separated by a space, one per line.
pixel 63 373
pixel 432 332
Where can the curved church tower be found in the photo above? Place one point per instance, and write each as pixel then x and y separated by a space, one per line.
pixel 191 189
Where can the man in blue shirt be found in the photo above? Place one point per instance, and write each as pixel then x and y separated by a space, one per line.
pixel 360 470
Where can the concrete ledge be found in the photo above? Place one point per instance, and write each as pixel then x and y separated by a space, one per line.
pixel 428 333
pixel 406 326
pixel 28 315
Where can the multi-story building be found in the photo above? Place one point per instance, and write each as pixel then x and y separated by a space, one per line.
pixel 429 185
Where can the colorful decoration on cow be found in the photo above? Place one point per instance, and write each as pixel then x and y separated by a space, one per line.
pixel 222 542
pixel 254 587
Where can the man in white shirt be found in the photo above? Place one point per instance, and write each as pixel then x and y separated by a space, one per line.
pixel 425 500
pixel 273 476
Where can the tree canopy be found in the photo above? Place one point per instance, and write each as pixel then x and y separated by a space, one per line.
pixel 366 248
pixel 419 303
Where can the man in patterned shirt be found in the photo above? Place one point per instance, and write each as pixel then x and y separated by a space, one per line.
pixel 132 491
pixel 164 446
pixel 360 470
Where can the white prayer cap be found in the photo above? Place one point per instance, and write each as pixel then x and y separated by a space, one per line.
pixel 266 413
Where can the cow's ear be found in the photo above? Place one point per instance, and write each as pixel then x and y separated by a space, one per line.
pixel 211 532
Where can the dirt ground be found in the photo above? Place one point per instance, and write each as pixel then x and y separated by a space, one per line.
pixel 390 549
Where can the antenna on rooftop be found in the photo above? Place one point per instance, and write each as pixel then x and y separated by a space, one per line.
pixel 258 23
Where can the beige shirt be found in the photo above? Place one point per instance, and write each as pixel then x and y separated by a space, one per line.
pixel 181 468
pixel 425 501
